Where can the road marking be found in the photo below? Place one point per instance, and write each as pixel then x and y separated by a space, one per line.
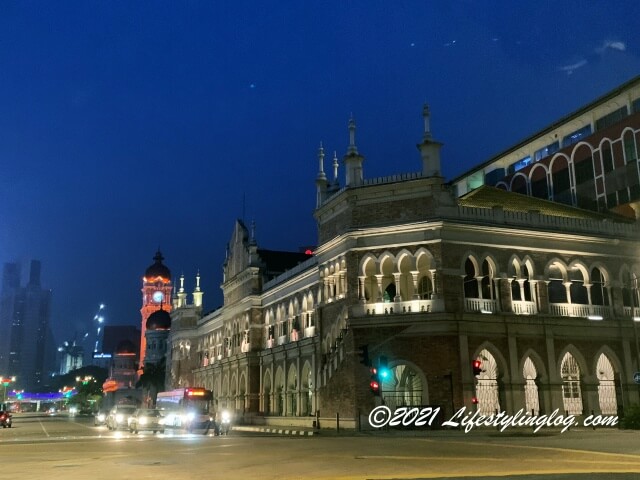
pixel 44 429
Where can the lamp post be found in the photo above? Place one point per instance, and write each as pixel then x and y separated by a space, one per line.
pixel 6 381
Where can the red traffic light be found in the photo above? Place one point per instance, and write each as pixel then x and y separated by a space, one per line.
pixel 474 400
pixel 375 386
pixel 477 367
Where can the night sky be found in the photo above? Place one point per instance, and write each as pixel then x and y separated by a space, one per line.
pixel 125 126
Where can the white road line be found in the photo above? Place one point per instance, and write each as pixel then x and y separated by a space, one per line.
pixel 44 429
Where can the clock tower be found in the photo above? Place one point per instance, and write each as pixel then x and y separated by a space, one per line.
pixel 156 294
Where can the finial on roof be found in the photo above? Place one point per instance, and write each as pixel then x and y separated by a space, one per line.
pixel 352 136
pixel 426 113
pixel 321 174
pixel 335 166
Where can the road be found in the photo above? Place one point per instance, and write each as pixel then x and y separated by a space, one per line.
pixel 39 447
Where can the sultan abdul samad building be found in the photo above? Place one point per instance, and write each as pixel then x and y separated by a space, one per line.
pixel 432 277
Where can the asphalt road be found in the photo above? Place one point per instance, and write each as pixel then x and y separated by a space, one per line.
pixel 40 447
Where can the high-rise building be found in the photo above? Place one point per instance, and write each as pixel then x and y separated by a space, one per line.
pixel 24 320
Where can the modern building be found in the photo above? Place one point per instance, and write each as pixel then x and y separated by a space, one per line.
pixel 543 294
pixel 71 357
pixel 588 159
pixel 26 351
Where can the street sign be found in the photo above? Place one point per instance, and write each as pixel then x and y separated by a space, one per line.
pixel 636 377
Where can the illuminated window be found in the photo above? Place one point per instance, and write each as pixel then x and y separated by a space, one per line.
pixel 519 165
pixel 546 151
pixel 576 136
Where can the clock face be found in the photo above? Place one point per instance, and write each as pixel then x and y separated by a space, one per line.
pixel 158 296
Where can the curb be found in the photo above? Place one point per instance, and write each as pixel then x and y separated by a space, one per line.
pixel 279 431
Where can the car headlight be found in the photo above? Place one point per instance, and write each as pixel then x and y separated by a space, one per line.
pixel 191 416
pixel 119 418
pixel 226 417
pixel 101 417
pixel 142 420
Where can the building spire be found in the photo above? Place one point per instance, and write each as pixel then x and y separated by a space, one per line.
pixel 321 174
pixel 353 160
pixel 335 167
pixel 352 136
pixel 197 293
pixel 427 127
pixel 429 148
pixel 321 179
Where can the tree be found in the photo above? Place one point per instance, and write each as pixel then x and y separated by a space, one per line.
pixel 152 379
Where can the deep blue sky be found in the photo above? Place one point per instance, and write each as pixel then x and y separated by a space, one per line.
pixel 128 125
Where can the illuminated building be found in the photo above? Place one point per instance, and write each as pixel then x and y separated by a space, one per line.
pixel 156 292
pixel 587 159
pixel 542 294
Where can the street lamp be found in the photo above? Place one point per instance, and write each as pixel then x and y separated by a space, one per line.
pixel 6 381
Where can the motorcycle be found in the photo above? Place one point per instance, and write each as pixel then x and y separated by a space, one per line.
pixel 5 419
pixel 225 423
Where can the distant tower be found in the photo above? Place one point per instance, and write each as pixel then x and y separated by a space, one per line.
pixel 156 294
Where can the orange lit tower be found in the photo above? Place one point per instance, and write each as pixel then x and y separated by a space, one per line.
pixel 156 293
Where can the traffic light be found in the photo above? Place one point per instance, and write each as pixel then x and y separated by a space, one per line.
pixel 383 369
pixel 374 383
pixel 363 353
pixel 474 400
pixel 477 367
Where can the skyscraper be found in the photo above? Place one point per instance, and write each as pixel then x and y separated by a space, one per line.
pixel 24 320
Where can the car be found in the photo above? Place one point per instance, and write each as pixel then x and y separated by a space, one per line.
pixel 146 419
pixel 100 418
pixel 119 416
pixel 5 419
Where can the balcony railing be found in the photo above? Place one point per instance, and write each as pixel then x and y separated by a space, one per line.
pixel 392 308
pixel 632 312
pixel 521 307
pixel 578 310
pixel 309 332
pixel 282 339
pixel 480 305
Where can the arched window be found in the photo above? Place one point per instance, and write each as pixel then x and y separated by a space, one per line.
pixel 630 296
pixel 526 285
pixel 487 387
pixel 599 293
pixel 531 396
pixel 524 293
pixel 470 282
pixel 630 154
pixel 389 293
pixel 487 281
pixel 403 388
pixel 424 288
pixel 606 386
pixel 557 291
pixel 578 291
pixel 539 186
pixel 571 392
